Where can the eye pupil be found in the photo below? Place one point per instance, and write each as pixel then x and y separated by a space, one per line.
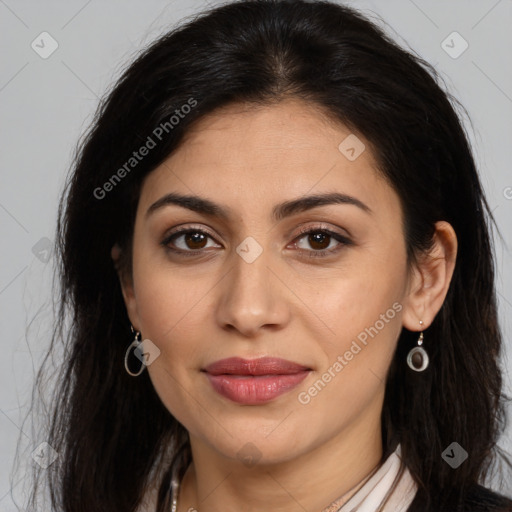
pixel 319 238
pixel 195 240
pixel 319 241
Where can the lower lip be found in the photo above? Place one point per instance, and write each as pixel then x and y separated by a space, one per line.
pixel 254 390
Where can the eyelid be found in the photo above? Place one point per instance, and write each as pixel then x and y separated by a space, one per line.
pixel 304 229
pixel 341 239
pixel 184 228
pixel 307 228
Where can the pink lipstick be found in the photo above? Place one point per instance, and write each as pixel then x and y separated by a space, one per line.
pixel 254 381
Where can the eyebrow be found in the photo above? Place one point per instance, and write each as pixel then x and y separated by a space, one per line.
pixel 279 212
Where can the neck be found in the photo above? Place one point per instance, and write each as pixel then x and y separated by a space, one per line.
pixel 335 470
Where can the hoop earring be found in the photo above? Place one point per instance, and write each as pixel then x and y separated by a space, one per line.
pixel 417 358
pixel 135 343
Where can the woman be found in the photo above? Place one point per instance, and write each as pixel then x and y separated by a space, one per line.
pixel 276 259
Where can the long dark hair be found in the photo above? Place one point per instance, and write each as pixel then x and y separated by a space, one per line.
pixel 111 431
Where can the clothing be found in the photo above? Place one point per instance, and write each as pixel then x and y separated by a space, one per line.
pixel 390 489
pixel 481 499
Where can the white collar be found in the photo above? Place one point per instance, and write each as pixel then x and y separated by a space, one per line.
pixel 370 497
pixel 373 494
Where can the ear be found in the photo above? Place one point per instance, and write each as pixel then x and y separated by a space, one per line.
pixel 430 279
pixel 127 289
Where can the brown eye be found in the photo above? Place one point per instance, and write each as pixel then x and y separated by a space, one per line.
pixel 190 241
pixel 195 240
pixel 319 240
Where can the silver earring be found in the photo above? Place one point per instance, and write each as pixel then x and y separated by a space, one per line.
pixel 135 343
pixel 417 358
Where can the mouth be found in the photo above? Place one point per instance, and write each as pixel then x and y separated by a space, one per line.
pixel 254 381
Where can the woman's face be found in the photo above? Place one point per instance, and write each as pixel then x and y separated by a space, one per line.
pixel 246 282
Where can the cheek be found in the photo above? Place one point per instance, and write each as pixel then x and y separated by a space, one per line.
pixel 162 297
pixel 359 299
pixel 168 315
pixel 168 308
pixel 363 312
pixel 364 342
pixel 354 366
pixel 172 309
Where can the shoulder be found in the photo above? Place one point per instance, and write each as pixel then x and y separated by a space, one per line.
pixel 476 499
pixel 481 499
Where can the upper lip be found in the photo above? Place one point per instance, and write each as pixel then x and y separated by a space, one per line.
pixel 260 366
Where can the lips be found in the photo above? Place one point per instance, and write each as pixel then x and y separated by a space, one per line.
pixel 261 366
pixel 254 381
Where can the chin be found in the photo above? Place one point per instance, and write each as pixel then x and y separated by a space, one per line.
pixel 260 445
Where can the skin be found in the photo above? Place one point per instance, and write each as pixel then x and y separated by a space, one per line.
pixel 286 303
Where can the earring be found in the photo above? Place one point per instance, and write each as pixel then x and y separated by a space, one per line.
pixel 135 343
pixel 417 358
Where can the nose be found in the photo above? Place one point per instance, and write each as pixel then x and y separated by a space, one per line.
pixel 252 297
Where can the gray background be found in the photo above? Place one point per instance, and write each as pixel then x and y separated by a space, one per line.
pixel 45 105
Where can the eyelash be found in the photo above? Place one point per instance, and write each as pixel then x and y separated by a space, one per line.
pixel 342 241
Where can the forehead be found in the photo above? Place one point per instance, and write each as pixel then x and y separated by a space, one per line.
pixel 258 155
pixel 289 130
